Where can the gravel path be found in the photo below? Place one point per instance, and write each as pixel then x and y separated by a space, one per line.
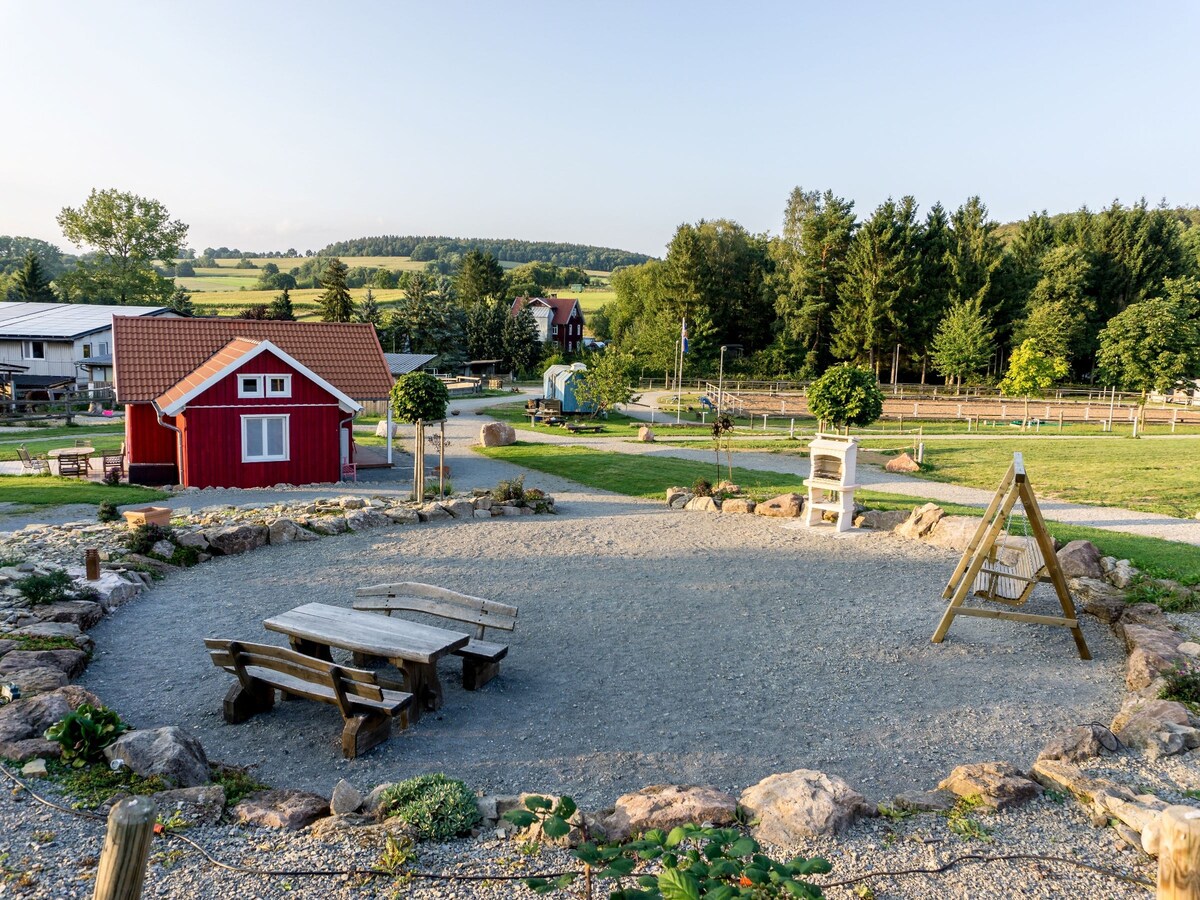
pixel 654 645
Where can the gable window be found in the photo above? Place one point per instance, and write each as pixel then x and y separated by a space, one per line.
pixel 250 385
pixel 103 351
pixel 264 438
pixel 279 385
pixel 33 349
pixel 87 351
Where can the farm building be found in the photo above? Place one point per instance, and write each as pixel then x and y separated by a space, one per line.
pixel 48 345
pixel 243 403
pixel 559 383
pixel 403 363
pixel 558 319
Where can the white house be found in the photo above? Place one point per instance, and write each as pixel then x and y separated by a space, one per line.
pixel 47 344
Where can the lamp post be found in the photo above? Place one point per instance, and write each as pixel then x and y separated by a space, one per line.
pixel 721 374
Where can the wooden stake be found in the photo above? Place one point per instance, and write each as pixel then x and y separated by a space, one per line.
pixel 123 861
pixel 1179 854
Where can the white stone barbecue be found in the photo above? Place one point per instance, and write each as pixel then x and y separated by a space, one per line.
pixel 831 481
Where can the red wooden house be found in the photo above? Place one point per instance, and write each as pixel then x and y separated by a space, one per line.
pixel 558 319
pixel 242 403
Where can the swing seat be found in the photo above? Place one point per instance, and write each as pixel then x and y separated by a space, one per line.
pixel 1013 584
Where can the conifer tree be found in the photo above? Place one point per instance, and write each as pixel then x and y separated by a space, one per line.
pixel 29 283
pixel 281 307
pixel 336 303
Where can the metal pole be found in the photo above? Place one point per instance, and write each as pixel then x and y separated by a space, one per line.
pixel 389 433
pixel 442 461
pixel 679 380
pixel 720 381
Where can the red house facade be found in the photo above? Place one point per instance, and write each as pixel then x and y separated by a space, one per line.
pixel 234 403
pixel 558 319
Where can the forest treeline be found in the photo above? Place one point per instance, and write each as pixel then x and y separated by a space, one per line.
pixel 430 249
pixel 908 294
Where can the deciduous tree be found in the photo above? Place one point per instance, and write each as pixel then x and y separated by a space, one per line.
pixel 1154 344
pixel 963 343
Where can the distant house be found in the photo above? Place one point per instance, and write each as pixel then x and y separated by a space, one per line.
pixel 404 363
pixel 243 403
pixel 53 344
pixel 558 319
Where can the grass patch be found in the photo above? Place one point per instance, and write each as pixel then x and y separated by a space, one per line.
pixel 237 782
pixel 31 642
pixel 50 490
pixel 650 476
pixel 616 425
pixel 56 431
pixel 1149 475
pixel 110 443
pixel 91 785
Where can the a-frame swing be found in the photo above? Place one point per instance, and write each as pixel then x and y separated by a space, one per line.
pixel 980 571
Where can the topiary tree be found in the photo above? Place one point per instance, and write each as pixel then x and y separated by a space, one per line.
pixel 419 397
pixel 846 395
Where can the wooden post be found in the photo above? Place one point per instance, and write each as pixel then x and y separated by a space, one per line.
pixel 442 462
pixel 123 860
pixel 1179 854
pixel 91 561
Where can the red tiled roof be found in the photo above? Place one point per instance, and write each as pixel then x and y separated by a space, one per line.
pixel 562 307
pixel 214 365
pixel 152 355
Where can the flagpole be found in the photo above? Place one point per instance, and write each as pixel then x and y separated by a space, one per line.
pixel 678 372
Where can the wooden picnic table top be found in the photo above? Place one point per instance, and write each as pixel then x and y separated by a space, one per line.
pixel 367 633
pixel 71 451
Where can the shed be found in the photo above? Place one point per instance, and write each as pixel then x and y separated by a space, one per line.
pixel 559 383
pixel 243 403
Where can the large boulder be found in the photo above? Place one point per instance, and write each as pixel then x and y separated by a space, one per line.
pixel 497 434
pixel 902 464
pixel 363 519
pixel 802 804
pixel 459 509
pixel 880 519
pixel 1080 559
pixel 998 784
pixel 1152 652
pixel 169 752
pixel 785 506
pixel 702 504
pixel 287 809
pixel 24 722
pixel 328 524
pixel 32 682
pixel 381 429
pixel 737 505
pixel 953 532
pixel 674 493
pixel 83 613
pixel 667 805
pixel 285 531
pixel 1139 720
pixel 235 539
pixel 1123 574
pixel 70 662
pixel 920 522
pixel 645 434
pixel 1098 598
pixel 1074 743
pixel 196 805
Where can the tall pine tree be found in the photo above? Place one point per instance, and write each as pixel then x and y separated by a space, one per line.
pixel 29 283
pixel 336 303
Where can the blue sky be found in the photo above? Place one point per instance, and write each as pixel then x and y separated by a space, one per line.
pixel 274 125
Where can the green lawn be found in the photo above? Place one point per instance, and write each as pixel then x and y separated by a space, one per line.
pixel 105 442
pixel 8 436
pixel 649 477
pixel 50 490
pixel 1159 476
pixel 616 425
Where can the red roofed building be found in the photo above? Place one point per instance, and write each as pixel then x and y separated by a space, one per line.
pixel 242 403
pixel 558 319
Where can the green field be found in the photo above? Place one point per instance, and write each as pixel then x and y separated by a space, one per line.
pixel 27 492
pixel 230 303
pixel 650 476
pixel 104 443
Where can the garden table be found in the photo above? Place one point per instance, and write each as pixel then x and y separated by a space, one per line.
pixel 82 454
pixel 411 647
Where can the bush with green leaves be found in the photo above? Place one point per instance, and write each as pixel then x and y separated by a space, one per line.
pixel 434 806
pixel 702 487
pixel 689 863
pixel 846 395
pixel 107 512
pixel 53 587
pixel 142 538
pixel 419 396
pixel 513 489
pixel 84 733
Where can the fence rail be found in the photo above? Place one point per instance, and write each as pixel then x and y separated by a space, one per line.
pixel 67 406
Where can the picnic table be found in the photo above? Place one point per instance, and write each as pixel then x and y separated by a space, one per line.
pixel 312 629
pixel 72 451
pixel 73 460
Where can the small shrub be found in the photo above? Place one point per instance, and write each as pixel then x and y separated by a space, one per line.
pixel 112 477
pixel 142 538
pixel 43 589
pixel 107 512
pixel 702 487
pixel 1183 684
pixel 510 490
pixel 84 733
pixel 535 494
pixel 436 807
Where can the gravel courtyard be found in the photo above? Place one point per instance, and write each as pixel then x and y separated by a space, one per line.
pixel 653 645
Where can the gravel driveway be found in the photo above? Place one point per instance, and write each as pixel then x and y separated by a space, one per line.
pixel 653 645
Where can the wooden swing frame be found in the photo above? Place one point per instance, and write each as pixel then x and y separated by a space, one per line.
pixel 980 557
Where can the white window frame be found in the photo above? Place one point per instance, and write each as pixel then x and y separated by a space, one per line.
pixel 257 392
pixel 261 420
pixel 87 351
pixel 286 391
pixel 103 351
pixel 556 331
pixel 27 349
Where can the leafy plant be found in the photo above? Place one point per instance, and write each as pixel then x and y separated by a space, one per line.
pixel 89 786
pixel 435 806
pixel 691 862
pixel 113 476
pixel 960 821
pixel 237 782
pixel 846 395
pixel 142 538
pixel 50 588
pixel 107 512
pixel 419 396
pixel 1182 683
pixel 510 490
pixel 702 487
pixel 85 732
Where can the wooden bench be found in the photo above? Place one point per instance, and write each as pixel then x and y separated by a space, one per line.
pixel 261 668
pixel 583 429
pixel 481 658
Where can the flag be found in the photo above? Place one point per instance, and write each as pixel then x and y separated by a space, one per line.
pixel 683 335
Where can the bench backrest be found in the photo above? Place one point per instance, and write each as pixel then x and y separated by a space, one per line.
pixel 347 684
pixel 412 596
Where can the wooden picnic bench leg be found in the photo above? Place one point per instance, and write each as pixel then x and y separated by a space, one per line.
pixel 478 672
pixel 423 684
pixel 245 700
pixel 364 731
